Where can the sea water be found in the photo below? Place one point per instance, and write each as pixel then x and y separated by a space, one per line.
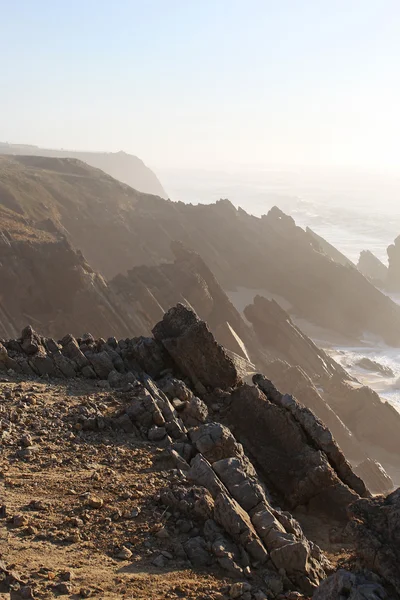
pixel 352 209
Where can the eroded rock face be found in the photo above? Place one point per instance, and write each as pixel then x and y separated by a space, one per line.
pixel 194 350
pixel 353 586
pixel 317 432
pixel 393 276
pixel 370 266
pixel 375 476
pixel 277 332
pixel 243 509
pixel 293 467
pixel 375 525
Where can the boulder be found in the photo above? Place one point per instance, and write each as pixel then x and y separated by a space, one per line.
pixel 215 441
pixel 236 522
pixel 194 350
pixel 148 354
pixel 202 473
pixel 71 350
pixel 352 586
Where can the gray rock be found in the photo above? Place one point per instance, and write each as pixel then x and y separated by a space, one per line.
pixel 194 349
pixel 71 350
pixel 194 412
pixel 201 473
pixel 156 434
pixel 215 442
pixel 170 459
pixel 352 586
pixel 101 363
pixel 197 552
pixel 237 524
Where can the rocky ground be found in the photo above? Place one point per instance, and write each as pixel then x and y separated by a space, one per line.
pixel 80 512
pixel 135 487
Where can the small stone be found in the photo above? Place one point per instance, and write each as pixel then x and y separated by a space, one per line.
pixel 159 561
pixel 38 505
pixel 67 576
pixel 124 553
pixel 63 588
pixel 27 452
pixel 73 538
pixel 20 521
pixel 76 522
pixel 26 592
pixel 135 512
pixel 156 434
pixel 95 502
pixel 3 511
pixel 162 534
pixel 30 530
pixel 259 595
pixel 25 441
pixel 85 592
pixel 238 589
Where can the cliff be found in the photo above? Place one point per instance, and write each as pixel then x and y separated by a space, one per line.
pixel 118 228
pixel 122 166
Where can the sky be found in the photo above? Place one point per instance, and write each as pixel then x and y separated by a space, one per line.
pixel 202 83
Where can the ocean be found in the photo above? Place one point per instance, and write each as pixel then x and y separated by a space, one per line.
pixel 352 209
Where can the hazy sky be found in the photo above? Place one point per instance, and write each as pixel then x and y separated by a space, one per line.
pixel 203 82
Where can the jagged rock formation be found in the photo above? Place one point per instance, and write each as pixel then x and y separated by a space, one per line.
pixel 371 471
pixel 188 280
pixel 376 527
pixel 296 460
pixel 370 266
pixel 46 282
pixel 330 250
pixel 375 367
pixel 355 414
pixel 393 275
pixel 353 586
pixel 277 332
pixel 122 166
pixel 275 451
pixel 259 253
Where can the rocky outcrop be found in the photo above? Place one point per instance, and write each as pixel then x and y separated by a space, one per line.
pixel 46 282
pixel 295 381
pixel 375 367
pixel 333 253
pixel 151 290
pixel 376 528
pixel 228 479
pixel 375 476
pixel 374 269
pixel 122 166
pixel 269 253
pixel 353 586
pixel 297 472
pixel 278 334
pixel 319 435
pixel 194 350
pixel 393 275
